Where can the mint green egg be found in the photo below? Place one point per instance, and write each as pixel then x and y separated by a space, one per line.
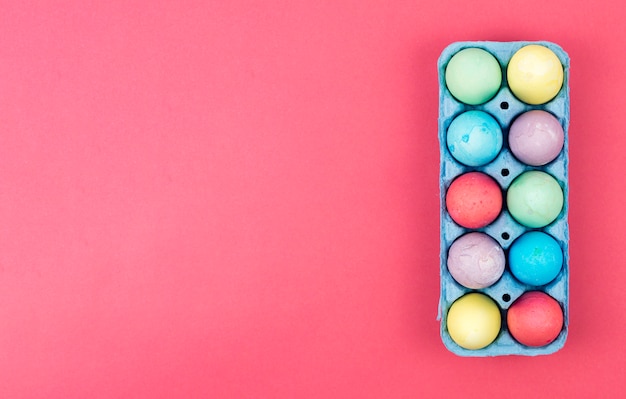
pixel 473 76
pixel 534 199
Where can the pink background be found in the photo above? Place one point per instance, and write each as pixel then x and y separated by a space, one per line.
pixel 228 199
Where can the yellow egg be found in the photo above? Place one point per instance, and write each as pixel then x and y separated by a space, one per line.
pixel 474 321
pixel 535 74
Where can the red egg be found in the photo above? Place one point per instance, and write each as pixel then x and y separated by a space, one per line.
pixel 474 200
pixel 535 319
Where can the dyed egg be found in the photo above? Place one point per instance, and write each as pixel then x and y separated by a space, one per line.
pixel 473 76
pixel 534 199
pixel 474 321
pixel 474 138
pixel 535 319
pixel 536 137
pixel 474 200
pixel 535 258
pixel 535 74
pixel 476 260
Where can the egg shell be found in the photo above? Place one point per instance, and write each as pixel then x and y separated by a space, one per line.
pixel 535 319
pixel 474 200
pixel 473 76
pixel 474 321
pixel 535 258
pixel 536 137
pixel 535 74
pixel 534 199
pixel 474 138
pixel 476 260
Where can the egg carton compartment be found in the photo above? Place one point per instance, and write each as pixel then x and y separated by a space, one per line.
pixel 505 107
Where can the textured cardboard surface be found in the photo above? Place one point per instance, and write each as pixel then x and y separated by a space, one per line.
pixel 504 225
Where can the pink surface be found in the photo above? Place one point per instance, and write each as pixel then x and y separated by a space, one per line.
pixel 233 199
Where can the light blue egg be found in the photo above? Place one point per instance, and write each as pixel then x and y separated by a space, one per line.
pixel 474 138
pixel 535 258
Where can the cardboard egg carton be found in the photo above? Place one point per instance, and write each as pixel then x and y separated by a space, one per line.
pixel 504 107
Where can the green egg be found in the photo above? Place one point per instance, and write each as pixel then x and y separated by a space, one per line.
pixel 534 199
pixel 473 76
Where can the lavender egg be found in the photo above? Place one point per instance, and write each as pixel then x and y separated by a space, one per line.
pixel 536 138
pixel 475 260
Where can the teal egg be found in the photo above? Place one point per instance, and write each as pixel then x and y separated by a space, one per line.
pixel 474 138
pixel 535 258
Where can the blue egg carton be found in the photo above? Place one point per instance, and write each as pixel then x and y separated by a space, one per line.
pixel 504 107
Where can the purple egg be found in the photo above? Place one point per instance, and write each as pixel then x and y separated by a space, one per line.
pixel 536 137
pixel 476 260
